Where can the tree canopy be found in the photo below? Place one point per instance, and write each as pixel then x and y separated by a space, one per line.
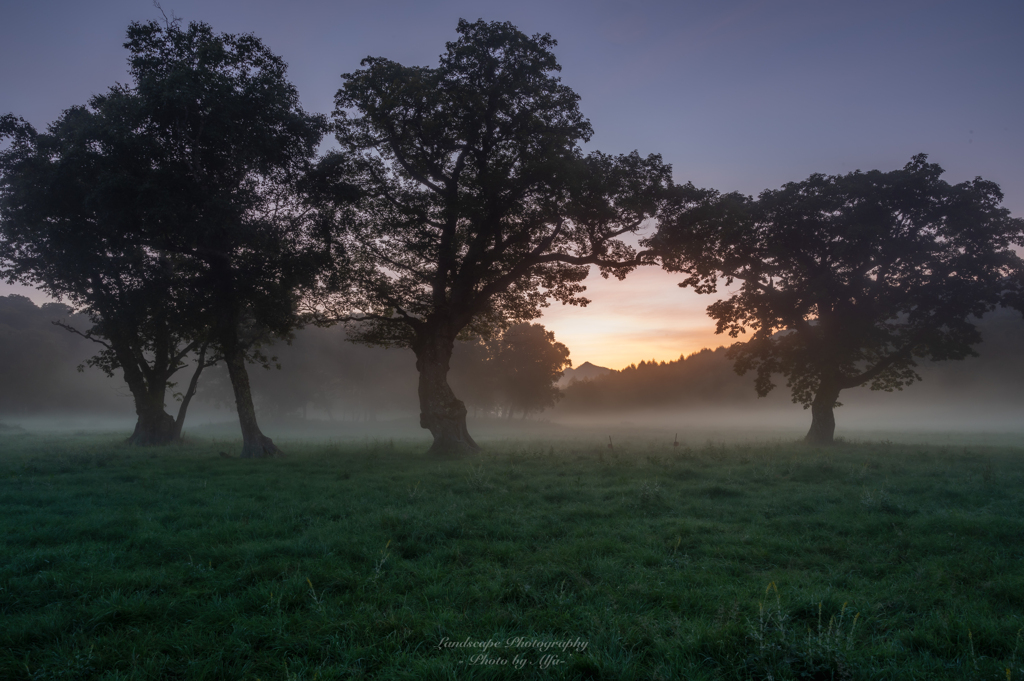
pixel 479 205
pixel 70 224
pixel 845 280
pixel 177 210
pixel 235 204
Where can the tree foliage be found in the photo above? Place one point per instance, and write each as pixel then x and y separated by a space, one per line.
pixel 479 205
pixel 176 210
pixel 235 203
pixel 845 280
pixel 70 219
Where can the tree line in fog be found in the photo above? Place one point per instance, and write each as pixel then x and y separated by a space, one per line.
pixel 190 221
pixel 321 376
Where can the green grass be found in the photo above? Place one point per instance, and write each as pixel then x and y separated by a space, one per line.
pixel 770 561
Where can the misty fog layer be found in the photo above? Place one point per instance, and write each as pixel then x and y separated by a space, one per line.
pixel 327 387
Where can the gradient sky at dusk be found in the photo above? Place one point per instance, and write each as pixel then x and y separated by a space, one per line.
pixel 735 95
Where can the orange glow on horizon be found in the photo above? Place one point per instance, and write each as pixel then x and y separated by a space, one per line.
pixel 646 316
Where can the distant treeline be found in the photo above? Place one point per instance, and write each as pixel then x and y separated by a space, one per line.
pixel 38 363
pixel 706 378
pixel 323 376
pixel 700 378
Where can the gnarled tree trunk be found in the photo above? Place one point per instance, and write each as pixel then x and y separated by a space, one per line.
pixel 443 414
pixel 823 420
pixel 255 444
pixel 154 425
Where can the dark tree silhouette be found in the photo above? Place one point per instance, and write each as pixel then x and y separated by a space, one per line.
pixel 480 206
pixel 528 361
pixel 512 371
pixel 1013 295
pixel 177 211
pixel 236 204
pixel 69 224
pixel 846 280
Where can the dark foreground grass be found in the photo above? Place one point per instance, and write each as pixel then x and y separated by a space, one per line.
pixel 369 561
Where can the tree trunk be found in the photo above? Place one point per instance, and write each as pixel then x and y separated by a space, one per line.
pixel 823 420
pixel 443 414
pixel 255 444
pixel 154 426
pixel 190 393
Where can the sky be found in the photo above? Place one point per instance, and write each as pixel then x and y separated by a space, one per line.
pixel 736 95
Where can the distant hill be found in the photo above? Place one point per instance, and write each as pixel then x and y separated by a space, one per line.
pixel 583 372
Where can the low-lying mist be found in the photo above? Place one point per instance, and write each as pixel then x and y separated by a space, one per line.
pixel 330 389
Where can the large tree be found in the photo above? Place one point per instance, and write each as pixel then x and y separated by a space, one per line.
pixel 845 280
pixel 187 189
pixel 238 205
pixel 480 206
pixel 70 225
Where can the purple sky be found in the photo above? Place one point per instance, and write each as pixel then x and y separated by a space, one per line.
pixel 735 95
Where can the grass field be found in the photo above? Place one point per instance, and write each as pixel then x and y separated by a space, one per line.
pixel 540 561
